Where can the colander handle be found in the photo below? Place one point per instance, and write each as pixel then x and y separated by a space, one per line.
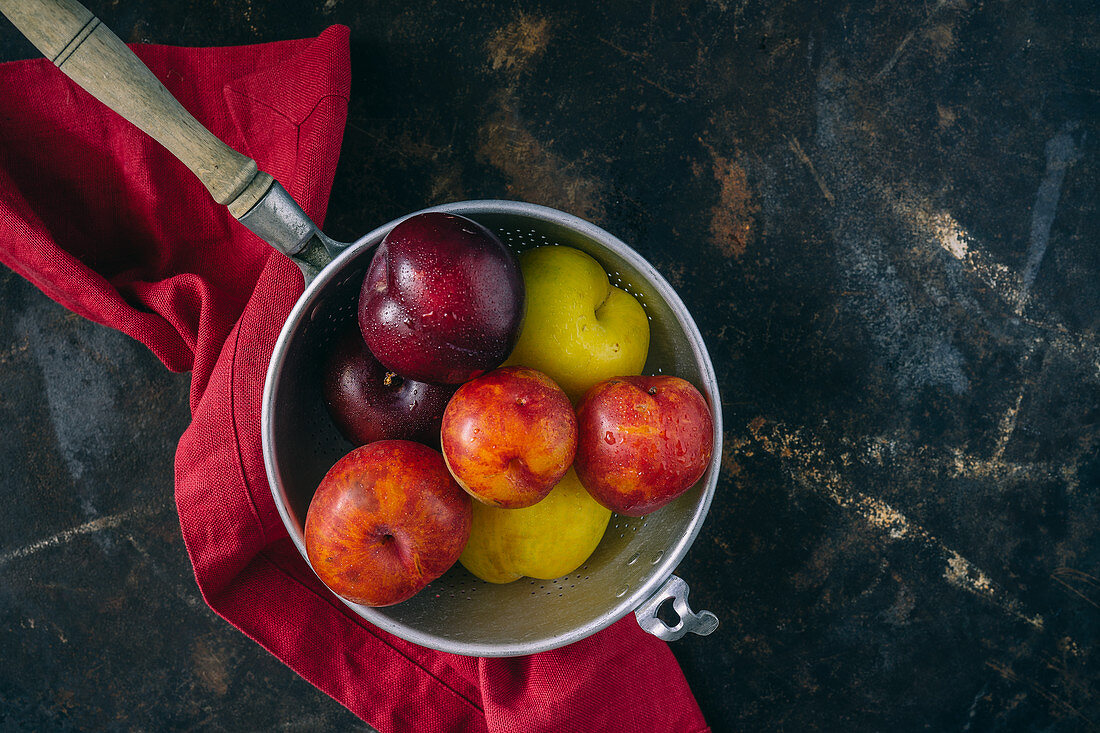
pixel 676 590
pixel 91 55
pixel 95 58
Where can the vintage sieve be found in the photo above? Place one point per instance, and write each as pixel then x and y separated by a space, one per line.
pixel 631 570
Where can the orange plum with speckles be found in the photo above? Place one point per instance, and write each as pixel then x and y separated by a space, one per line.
pixel 386 520
pixel 642 441
pixel 509 436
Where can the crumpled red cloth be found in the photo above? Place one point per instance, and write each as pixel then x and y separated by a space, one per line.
pixel 107 223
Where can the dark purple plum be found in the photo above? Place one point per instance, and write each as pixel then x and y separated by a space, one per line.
pixel 442 301
pixel 368 403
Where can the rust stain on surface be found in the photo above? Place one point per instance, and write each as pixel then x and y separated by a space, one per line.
pixel 730 465
pixel 209 668
pixel 512 48
pixel 1056 702
pixel 534 172
pixel 811 468
pixel 796 148
pixel 733 218
pixel 946 116
pixel 941 38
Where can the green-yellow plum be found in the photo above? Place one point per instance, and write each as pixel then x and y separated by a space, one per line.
pixel 579 329
pixel 547 540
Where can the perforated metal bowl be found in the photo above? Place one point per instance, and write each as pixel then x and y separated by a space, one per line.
pixel 631 570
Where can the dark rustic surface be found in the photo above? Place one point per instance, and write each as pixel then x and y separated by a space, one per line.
pixel 884 218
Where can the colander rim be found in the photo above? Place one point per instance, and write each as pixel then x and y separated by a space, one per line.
pixel 671 558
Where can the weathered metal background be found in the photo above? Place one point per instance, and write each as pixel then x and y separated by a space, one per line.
pixel 884 217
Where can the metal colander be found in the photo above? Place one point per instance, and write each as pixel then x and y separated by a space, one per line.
pixel 631 569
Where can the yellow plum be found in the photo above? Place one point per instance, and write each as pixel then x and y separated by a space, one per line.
pixel 547 540
pixel 579 328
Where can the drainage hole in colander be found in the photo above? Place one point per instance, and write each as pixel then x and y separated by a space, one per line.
pixel 623 591
pixel 462 592
pixel 657 557
pixel 633 559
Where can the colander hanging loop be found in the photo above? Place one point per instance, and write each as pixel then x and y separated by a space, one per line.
pixel 675 590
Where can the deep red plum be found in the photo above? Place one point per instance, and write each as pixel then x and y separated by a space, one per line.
pixel 443 299
pixel 368 403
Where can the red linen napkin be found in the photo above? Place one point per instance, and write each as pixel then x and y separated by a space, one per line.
pixel 107 223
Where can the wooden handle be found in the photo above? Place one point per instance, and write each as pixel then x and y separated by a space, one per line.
pixel 70 36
